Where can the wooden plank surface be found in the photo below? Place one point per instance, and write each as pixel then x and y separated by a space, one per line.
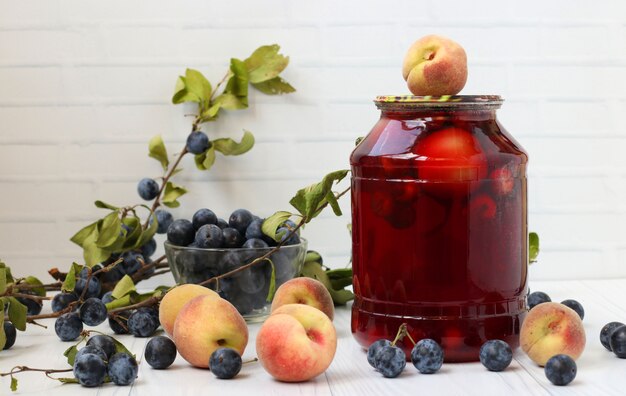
pixel 599 371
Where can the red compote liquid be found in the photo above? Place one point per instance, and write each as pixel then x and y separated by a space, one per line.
pixel 439 225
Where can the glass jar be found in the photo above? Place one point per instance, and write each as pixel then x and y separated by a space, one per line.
pixel 439 225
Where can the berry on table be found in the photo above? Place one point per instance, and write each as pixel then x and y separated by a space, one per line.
pixel 427 356
pixel 164 219
pixel 495 355
pixel 93 312
pixel 160 352
pixel 61 300
pixel 197 142
pixel 605 333
pixel 560 369
pixel 119 323
pixel 225 363
pixel 576 306
pixel 10 333
pixel 181 232
pixel 148 189
pixel 373 350
pixel 104 342
pixel 68 326
pixel 141 323
pixel 89 370
pixel 618 342
pixel 92 349
pixel 536 298
pixel 390 361
pixel 122 369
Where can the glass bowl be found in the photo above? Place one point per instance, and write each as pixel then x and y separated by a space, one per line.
pixel 247 290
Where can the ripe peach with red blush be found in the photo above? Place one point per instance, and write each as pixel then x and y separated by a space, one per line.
pixel 306 291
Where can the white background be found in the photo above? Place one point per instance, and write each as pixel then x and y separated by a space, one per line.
pixel 85 84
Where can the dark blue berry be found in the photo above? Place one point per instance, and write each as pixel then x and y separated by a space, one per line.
pixel 119 323
pixel 495 355
pixel 61 300
pixel 92 349
pixel 232 238
pixel 148 249
pixel 107 297
pixel 164 218
pixel 427 356
pixel 160 352
pixel 105 342
pixel 390 361
pixel 209 236
pixel 180 232
pixel 142 324
pixel 68 326
pixel 89 370
pixel 154 312
pixel 287 239
pixel 253 279
pixel 373 350
pixel 132 262
pixel 197 142
pixel 221 223
pixel 240 219
pixel 605 333
pixel 225 363
pixel 113 275
pixel 93 289
pixel 254 243
pixel 576 306
pixel 148 189
pixel 560 369
pixel 618 342
pixel 33 307
pixel 10 333
pixel 203 217
pixel 93 312
pixel 254 229
pixel 285 268
pixel 536 298
pixel 122 369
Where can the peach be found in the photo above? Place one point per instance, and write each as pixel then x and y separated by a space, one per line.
pixel 435 65
pixel 296 343
pixel 304 291
pixel 175 299
pixel 550 329
pixel 206 323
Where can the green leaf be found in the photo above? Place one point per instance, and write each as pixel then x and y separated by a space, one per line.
pixel 359 140
pixel 228 146
pixel 197 84
pixel 33 281
pixel 272 287
pixel 110 230
pixel 119 302
pixel 271 224
pixel 147 234
pixel 312 255
pixel 17 313
pixel 171 194
pixel 314 270
pixel 156 150
pixel 104 205
pixel 13 384
pixel 70 354
pixel 182 94
pixel 3 336
pixel 7 270
pixel 533 247
pixel 229 101
pixel 211 113
pixel 120 348
pixel 68 380
pixel 238 81
pixel 309 200
pixel 275 86
pixel 265 63
pixel 134 223
pixel 80 237
pixel 205 160
pixel 339 273
pixel 124 286
pixel 93 254
pixel 3 280
pixel 70 279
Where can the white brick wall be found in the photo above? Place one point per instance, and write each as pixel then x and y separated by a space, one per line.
pixel 84 84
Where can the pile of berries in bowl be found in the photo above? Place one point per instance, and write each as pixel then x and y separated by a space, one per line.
pixel 208 246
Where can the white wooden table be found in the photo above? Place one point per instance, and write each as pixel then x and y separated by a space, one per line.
pixel 599 371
